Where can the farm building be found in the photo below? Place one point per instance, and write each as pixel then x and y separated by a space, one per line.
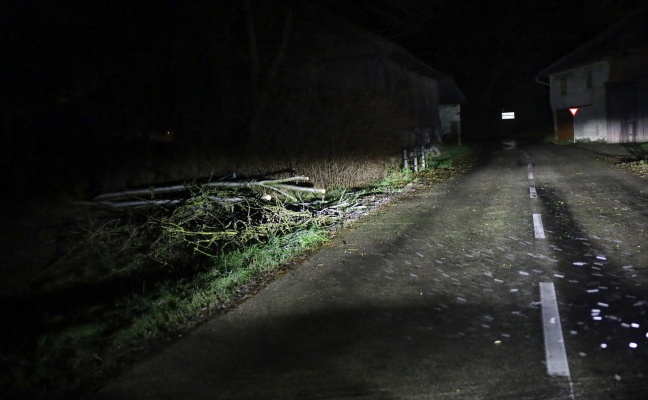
pixel 334 58
pixel 599 92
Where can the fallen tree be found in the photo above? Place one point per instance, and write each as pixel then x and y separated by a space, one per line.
pixel 160 196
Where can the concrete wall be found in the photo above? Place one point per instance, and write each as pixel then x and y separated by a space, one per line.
pixel 627 98
pixel 450 115
pixel 614 109
pixel 590 120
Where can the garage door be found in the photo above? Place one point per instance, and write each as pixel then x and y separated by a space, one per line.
pixel 565 126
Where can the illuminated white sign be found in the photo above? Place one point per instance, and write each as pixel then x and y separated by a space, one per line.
pixel 508 115
pixel 573 111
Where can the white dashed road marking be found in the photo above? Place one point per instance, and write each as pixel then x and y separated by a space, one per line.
pixel 532 192
pixel 556 355
pixel 537 226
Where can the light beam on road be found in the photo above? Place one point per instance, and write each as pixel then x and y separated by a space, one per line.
pixel 556 355
pixel 537 226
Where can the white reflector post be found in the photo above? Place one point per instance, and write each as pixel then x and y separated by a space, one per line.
pixel 508 115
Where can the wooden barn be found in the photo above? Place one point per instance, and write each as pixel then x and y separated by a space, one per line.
pixel 599 92
pixel 334 58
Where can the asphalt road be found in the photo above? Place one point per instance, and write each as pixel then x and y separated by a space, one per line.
pixel 438 297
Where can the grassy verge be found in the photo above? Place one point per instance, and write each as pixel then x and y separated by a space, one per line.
pixel 638 168
pixel 153 275
pixel 177 303
pixel 445 159
pixel 131 281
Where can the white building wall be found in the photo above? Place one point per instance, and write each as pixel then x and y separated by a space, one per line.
pixel 590 120
pixel 450 115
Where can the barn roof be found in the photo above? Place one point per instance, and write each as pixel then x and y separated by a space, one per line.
pixel 449 92
pixel 627 36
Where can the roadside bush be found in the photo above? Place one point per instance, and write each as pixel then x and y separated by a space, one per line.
pixel 344 142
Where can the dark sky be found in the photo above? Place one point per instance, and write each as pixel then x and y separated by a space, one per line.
pixel 452 33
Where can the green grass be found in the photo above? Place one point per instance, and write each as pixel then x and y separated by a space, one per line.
pixel 395 178
pixel 447 156
pixel 100 337
pixel 178 302
pixel 171 304
pixel 453 151
pixel 440 164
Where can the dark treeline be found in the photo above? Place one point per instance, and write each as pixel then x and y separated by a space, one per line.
pixel 100 83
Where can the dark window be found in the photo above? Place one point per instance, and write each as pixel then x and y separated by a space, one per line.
pixel 590 79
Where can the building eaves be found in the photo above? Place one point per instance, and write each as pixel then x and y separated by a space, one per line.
pixel 627 36
pixel 449 91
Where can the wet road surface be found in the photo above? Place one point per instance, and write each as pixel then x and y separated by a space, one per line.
pixel 438 297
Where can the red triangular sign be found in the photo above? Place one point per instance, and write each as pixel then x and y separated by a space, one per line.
pixel 573 111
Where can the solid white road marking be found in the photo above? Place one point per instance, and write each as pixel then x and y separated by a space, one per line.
pixel 532 192
pixel 537 226
pixel 556 355
pixel 530 175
